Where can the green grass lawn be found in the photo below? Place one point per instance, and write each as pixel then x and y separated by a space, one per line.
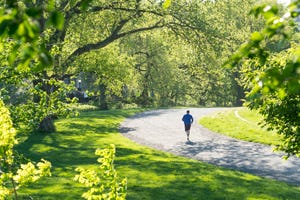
pixel 241 123
pixel 151 174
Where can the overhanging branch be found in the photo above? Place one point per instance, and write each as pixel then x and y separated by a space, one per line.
pixel 113 37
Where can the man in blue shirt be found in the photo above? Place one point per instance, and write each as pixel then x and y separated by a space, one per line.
pixel 188 120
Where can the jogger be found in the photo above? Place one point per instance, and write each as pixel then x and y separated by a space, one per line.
pixel 188 120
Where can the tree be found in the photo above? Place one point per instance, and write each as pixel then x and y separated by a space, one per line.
pixel 67 44
pixel 119 19
pixel 14 174
pixel 23 53
pixel 213 30
pixel 26 60
pixel 272 74
pixel 103 183
pixel 105 72
pixel 18 39
pixel 160 65
pixel 87 28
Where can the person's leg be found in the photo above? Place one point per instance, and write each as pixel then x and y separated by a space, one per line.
pixel 187 131
pixel 188 134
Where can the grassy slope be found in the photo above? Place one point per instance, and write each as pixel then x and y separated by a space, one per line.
pixel 229 124
pixel 151 174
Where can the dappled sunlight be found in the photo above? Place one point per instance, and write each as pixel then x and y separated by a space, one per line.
pixel 151 174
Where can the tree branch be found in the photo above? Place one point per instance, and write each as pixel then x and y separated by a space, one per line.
pixel 113 37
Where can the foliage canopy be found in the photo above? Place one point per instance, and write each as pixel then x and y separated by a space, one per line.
pixel 271 67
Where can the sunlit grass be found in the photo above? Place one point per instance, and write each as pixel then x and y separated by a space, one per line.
pixel 151 174
pixel 82 107
pixel 241 123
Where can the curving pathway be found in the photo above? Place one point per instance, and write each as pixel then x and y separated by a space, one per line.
pixel 163 130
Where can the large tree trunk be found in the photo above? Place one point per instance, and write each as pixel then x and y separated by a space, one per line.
pixel 103 102
pixel 47 124
pixel 239 90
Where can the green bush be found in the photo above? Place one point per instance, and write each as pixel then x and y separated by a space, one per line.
pixel 103 184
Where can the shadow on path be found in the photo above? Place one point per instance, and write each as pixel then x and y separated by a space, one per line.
pixel 162 129
pixel 252 158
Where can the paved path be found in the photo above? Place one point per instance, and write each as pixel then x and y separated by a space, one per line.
pixel 163 130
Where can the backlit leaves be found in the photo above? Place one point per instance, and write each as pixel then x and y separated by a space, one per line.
pixel 7 136
pixel 274 79
pixel 167 4
pixel 20 24
pixel 103 183
pixel 56 19
pixel 26 173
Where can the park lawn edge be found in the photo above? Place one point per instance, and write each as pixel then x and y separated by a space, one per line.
pixel 240 123
pixel 151 174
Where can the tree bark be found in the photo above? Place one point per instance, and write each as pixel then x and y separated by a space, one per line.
pixel 47 125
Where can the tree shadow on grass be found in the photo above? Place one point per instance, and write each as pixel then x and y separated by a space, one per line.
pixel 151 174
pixel 166 177
pixel 193 189
pixel 75 141
pixel 157 175
pixel 73 144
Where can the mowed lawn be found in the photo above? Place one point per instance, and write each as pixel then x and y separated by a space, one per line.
pixel 243 124
pixel 151 174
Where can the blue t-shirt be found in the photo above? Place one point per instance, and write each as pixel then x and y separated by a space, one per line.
pixel 187 119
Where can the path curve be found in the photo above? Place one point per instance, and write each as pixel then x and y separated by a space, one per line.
pixel 163 130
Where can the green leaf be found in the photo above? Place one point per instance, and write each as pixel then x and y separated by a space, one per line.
pixel 45 58
pixel 28 52
pixel 269 11
pixel 281 93
pixel 51 5
pixel 21 29
pixel 57 20
pixel 13 27
pixel 257 10
pixel 34 12
pixel 166 4
pixel 85 4
pixel 257 37
pixel 3 26
pixel 13 54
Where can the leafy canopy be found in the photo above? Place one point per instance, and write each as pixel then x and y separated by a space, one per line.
pixel 271 67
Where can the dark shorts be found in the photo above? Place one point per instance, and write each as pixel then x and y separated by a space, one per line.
pixel 187 127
